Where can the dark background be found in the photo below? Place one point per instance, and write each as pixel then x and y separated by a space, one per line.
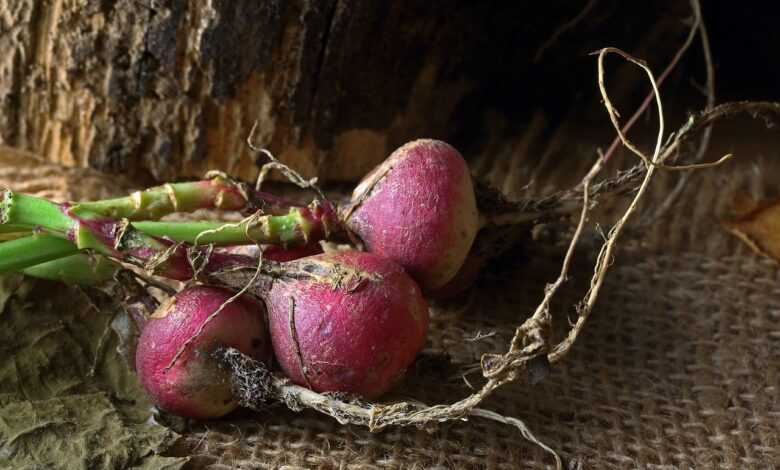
pixel 516 84
pixel 745 37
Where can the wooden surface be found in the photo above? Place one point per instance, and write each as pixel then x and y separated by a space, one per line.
pixel 162 89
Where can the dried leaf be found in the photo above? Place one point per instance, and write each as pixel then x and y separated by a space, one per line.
pixel 758 225
pixel 82 430
pixel 67 397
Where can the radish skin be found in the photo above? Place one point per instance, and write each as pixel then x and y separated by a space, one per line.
pixel 194 385
pixel 418 209
pixel 356 334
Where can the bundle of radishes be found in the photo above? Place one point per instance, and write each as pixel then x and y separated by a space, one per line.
pixel 345 320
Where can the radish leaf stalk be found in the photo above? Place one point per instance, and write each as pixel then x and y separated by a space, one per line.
pixel 122 240
pixel 218 192
pixel 81 269
pixel 22 210
pixel 32 250
pixel 298 227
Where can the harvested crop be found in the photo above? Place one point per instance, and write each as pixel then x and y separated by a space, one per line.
pixel 353 326
pixel 194 385
pixel 418 209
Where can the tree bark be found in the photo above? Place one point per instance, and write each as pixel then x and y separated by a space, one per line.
pixel 170 89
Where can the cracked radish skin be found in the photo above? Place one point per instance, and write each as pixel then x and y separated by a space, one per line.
pixel 418 209
pixel 355 332
pixel 195 386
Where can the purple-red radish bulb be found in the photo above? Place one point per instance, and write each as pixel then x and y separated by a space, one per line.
pixel 195 386
pixel 418 209
pixel 354 334
pixel 281 254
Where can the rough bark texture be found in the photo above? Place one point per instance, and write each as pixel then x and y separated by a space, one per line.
pixel 171 88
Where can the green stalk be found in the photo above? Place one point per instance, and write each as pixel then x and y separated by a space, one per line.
pixel 215 193
pixel 123 240
pixel 31 250
pixel 277 230
pixel 21 210
pixel 80 269
pixel 86 229
pixel 300 225
pixel 158 201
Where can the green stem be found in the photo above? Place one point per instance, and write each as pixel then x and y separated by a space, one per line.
pixel 293 228
pixel 31 250
pixel 215 193
pixel 299 226
pixel 125 241
pixel 158 201
pixel 21 210
pixel 86 229
pixel 81 269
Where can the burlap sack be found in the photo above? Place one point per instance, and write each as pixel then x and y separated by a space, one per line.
pixel 677 367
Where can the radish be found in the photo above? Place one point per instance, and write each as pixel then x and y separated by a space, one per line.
pixel 280 254
pixel 194 385
pixel 346 321
pixel 418 209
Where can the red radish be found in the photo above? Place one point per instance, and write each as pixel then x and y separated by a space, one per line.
pixel 195 386
pixel 418 209
pixel 277 253
pixel 352 324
